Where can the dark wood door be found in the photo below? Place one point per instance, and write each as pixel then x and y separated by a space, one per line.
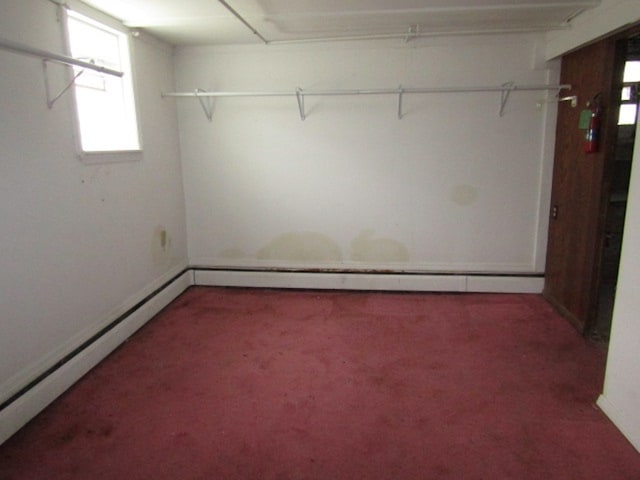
pixel 580 185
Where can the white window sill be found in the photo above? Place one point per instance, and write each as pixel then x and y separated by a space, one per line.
pixel 114 156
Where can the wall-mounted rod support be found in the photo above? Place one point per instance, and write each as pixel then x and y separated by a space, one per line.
pixel 573 99
pixel 507 88
pixel 412 33
pixel 400 93
pixel 206 103
pixel 300 97
pixel 54 57
pixel 51 100
pixel 246 24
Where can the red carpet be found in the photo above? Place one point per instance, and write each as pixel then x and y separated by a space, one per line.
pixel 265 384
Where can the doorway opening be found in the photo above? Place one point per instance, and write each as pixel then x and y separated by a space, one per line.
pixel 628 84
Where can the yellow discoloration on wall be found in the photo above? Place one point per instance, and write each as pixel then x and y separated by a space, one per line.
pixel 463 195
pixel 233 252
pixel 366 248
pixel 161 246
pixel 301 246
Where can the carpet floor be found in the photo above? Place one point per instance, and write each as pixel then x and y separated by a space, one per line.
pixel 270 384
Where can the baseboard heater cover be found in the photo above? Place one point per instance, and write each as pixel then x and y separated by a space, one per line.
pixel 371 280
pixel 26 403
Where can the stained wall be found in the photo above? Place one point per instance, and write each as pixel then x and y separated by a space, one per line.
pixel 452 186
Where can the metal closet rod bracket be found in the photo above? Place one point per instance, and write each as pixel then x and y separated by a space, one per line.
pixel 52 99
pixel 205 102
pixel 300 98
pixel 508 87
pixel 572 99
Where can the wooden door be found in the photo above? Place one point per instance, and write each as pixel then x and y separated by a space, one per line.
pixel 580 185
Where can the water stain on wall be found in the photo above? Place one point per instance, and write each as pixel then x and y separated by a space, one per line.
pixel 301 246
pixel 463 195
pixel 233 252
pixel 160 246
pixel 366 248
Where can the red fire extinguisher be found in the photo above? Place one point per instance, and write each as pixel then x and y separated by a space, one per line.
pixel 592 134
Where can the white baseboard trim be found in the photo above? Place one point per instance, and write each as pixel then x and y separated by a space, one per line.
pixel 15 415
pixel 504 284
pixel 370 281
pixel 627 424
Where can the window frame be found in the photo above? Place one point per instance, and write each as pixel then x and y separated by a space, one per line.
pixel 102 156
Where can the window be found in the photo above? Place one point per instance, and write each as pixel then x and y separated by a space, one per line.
pixel 629 95
pixel 105 103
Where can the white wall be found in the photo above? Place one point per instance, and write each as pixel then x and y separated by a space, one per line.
pixel 80 243
pixel 450 187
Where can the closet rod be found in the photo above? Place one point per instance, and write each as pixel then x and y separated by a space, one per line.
pixel 381 91
pixel 55 57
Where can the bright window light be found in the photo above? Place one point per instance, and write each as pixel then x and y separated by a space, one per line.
pixel 631 71
pixel 626 94
pixel 627 114
pixel 105 103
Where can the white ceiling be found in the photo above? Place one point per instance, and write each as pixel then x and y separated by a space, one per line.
pixel 195 22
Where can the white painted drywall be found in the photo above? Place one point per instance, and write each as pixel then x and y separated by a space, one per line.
pixel 450 187
pixel 80 244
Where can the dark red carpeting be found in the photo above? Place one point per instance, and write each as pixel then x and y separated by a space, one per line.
pixel 264 384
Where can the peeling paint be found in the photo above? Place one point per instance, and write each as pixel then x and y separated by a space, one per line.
pixel 463 195
pixel 366 248
pixel 301 246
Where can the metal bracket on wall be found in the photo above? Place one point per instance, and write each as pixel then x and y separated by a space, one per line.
pixel 300 98
pixel 205 102
pixel 51 100
pixel 412 33
pixel 400 94
pixel 573 99
pixel 507 88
